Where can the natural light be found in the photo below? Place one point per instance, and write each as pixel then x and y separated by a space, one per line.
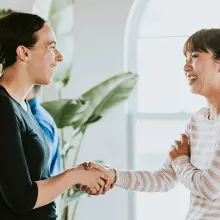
pixel 163 89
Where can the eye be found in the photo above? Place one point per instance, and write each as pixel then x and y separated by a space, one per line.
pixel 194 56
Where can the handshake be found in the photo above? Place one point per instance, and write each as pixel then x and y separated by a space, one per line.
pixel 95 178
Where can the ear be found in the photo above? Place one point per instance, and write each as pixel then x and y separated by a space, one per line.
pixel 22 53
pixel 218 64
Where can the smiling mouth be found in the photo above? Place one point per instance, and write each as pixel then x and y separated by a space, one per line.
pixel 191 79
pixel 53 67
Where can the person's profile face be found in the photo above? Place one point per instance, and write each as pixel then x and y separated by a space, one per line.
pixel 202 72
pixel 44 56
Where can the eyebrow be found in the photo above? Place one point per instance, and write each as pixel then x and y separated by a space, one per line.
pixel 52 42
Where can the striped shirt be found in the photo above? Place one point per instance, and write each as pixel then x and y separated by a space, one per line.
pixel 200 172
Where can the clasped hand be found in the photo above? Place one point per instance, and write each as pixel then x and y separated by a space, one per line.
pixel 102 185
pixel 180 148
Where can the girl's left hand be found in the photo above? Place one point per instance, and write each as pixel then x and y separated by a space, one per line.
pixel 180 148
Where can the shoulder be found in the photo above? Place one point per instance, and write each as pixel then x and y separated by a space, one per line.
pixel 9 111
pixel 6 103
pixel 202 111
pixel 199 115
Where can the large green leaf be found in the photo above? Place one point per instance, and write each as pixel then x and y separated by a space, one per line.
pixel 5 12
pixel 63 28
pixel 65 112
pixel 77 195
pixel 106 95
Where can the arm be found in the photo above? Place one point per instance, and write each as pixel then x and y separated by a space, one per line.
pixel 205 184
pixel 158 181
pixel 51 188
pixel 20 193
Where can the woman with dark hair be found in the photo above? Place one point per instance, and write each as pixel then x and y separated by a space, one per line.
pixel 195 159
pixel 29 56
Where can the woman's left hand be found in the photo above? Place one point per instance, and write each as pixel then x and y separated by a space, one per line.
pixel 180 148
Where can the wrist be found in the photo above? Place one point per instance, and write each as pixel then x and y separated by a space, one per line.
pixel 73 174
pixel 112 175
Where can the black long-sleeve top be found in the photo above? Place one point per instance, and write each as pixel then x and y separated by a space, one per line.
pixel 24 159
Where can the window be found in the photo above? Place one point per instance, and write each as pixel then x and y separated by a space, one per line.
pixel 164 100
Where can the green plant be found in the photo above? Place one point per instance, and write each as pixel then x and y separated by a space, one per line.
pixel 5 12
pixel 78 114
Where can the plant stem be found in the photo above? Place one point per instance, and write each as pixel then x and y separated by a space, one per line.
pixel 59 94
pixel 74 210
pixel 62 134
pixel 65 213
pixel 78 148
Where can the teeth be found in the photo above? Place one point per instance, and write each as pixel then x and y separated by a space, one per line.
pixel 53 67
pixel 192 77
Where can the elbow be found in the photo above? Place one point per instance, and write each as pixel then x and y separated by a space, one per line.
pixel 22 201
pixel 20 208
pixel 170 186
pixel 212 198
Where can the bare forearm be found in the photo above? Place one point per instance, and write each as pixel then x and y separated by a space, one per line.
pixel 50 189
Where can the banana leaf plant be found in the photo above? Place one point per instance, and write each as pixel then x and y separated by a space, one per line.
pixel 79 114
pixel 61 19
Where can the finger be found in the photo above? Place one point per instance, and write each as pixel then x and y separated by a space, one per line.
pixel 97 166
pixel 105 177
pixel 112 186
pixel 106 187
pixel 83 188
pixel 87 190
pixel 101 182
pixel 93 191
pixel 184 139
pixel 87 166
pixel 177 142
pixel 174 147
pixel 97 187
pixel 100 191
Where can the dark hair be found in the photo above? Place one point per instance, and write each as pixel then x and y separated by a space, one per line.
pixel 16 29
pixel 204 40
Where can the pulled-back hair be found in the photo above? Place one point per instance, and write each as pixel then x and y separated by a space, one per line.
pixel 17 29
pixel 204 40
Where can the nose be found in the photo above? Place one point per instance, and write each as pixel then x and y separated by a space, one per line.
pixel 187 67
pixel 59 57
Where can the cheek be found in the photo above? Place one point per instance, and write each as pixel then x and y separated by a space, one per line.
pixel 48 56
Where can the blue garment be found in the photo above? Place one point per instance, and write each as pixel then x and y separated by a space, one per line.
pixel 48 126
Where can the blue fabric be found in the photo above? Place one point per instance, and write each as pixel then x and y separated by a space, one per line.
pixel 48 126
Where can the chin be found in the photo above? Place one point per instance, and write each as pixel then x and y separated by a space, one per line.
pixel 48 82
pixel 44 82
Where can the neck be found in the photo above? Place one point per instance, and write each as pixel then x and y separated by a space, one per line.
pixel 214 106
pixel 16 83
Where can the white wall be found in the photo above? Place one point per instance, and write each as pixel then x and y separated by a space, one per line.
pixel 19 5
pixel 99 43
pixel 99 27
